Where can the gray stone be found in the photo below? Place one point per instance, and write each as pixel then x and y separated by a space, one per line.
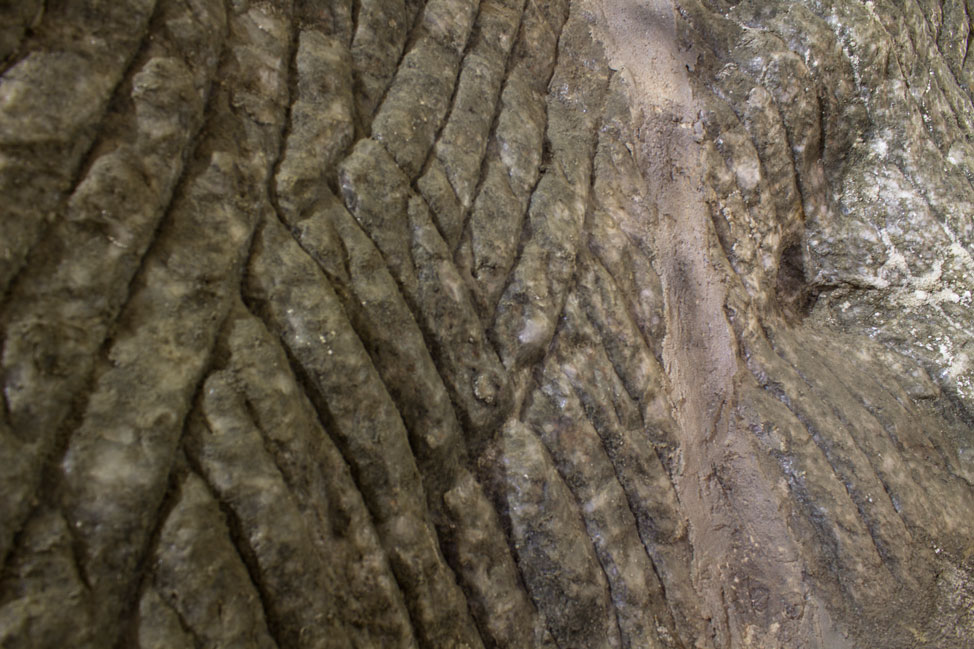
pixel 487 324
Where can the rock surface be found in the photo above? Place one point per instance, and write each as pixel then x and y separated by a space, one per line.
pixel 487 324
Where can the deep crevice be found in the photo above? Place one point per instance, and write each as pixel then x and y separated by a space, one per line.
pixel 492 132
pixel 328 423
pixel 128 635
pixel 239 541
pixel 795 295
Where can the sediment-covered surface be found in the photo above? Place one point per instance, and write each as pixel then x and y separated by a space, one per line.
pixel 467 324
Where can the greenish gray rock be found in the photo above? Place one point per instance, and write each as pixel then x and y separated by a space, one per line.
pixel 487 324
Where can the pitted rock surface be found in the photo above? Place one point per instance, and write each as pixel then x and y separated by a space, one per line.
pixel 487 324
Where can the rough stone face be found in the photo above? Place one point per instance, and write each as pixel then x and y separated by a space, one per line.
pixel 487 324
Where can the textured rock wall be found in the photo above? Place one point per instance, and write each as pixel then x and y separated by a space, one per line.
pixel 486 324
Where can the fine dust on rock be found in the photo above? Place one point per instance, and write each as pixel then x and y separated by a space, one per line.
pixel 700 351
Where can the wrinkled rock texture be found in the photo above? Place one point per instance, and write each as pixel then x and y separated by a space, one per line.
pixel 482 324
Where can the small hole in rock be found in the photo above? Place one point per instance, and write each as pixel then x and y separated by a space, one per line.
pixel 795 295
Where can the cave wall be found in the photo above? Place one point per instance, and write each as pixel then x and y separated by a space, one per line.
pixel 568 324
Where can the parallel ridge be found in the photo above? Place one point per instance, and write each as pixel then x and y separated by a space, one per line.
pixel 834 133
pixel 332 325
